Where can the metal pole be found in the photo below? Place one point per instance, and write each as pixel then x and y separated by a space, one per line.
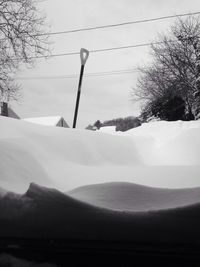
pixel 78 96
pixel 84 56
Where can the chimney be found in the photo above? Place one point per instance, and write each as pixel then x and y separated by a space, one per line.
pixel 4 109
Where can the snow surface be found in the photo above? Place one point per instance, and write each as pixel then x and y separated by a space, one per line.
pixel 133 197
pixel 159 154
pixel 9 260
pixel 48 213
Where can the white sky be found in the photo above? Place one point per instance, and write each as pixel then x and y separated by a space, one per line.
pixel 102 97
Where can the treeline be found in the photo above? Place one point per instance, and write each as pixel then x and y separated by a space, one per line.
pixel 121 124
pixel 169 87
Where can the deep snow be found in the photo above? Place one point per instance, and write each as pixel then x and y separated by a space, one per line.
pixel 132 197
pixel 160 154
pixel 43 213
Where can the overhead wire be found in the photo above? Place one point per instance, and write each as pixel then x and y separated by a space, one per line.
pixel 99 50
pixel 120 24
pixel 102 49
pixel 96 50
pixel 106 26
pixel 71 76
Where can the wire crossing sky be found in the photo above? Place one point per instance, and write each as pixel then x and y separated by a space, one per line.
pixel 72 76
pixel 110 26
pixel 122 24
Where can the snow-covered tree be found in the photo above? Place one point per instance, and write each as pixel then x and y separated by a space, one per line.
pixel 175 68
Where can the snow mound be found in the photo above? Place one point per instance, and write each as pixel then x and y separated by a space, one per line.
pixel 133 197
pixel 161 154
pixel 53 214
pixel 9 260
pixel 43 194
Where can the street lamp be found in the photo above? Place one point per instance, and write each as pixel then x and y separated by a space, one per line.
pixel 84 53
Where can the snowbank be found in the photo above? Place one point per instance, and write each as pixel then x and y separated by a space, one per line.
pixel 161 154
pixel 134 198
pixel 52 214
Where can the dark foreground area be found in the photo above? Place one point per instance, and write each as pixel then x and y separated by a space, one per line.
pixel 45 227
pixel 62 252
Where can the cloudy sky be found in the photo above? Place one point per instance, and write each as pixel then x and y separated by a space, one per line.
pixel 103 97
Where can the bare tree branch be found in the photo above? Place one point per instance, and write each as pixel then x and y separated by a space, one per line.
pixel 174 66
pixel 22 37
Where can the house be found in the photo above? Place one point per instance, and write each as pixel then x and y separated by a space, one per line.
pixel 49 121
pixel 8 111
pixel 58 121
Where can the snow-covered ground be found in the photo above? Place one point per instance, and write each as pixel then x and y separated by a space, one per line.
pixel 159 154
pixel 133 197
pixel 48 213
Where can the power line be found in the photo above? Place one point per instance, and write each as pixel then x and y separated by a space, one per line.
pixel 102 50
pixel 111 48
pixel 120 24
pixel 125 47
pixel 96 50
pixel 71 76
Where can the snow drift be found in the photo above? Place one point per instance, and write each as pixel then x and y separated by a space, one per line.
pixel 161 154
pixel 53 214
pixel 133 197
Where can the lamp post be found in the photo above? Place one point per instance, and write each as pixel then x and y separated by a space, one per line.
pixel 84 53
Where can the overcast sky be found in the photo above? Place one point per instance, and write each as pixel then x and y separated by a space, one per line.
pixel 103 97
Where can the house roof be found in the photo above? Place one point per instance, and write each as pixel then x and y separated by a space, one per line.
pixel 49 121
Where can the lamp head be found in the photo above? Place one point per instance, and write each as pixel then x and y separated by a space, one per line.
pixel 84 54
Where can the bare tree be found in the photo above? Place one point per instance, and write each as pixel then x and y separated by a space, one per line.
pixel 174 67
pixel 9 89
pixel 22 37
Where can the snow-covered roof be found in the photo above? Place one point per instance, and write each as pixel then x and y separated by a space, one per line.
pixel 49 121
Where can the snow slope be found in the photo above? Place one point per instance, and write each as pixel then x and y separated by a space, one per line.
pixel 50 213
pixel 133 197
pixel 9 260
pixel 161 154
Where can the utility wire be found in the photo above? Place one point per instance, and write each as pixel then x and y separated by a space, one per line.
pixel 102 50
pixel 120 24
pixel 96 50
pixel 112 48
pixel 93 74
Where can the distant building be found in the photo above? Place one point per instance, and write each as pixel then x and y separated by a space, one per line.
pixel 49 121
pixel 7 111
